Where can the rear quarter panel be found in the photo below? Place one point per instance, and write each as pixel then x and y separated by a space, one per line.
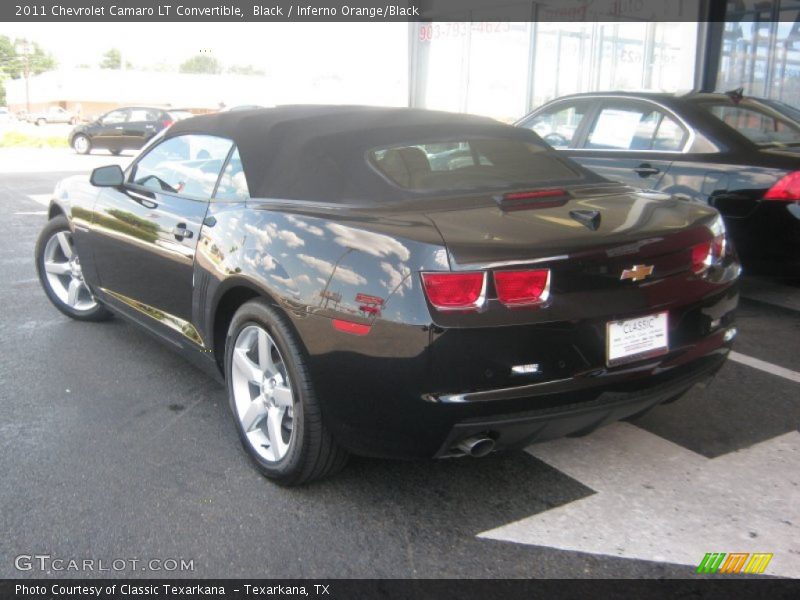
pixel 320 267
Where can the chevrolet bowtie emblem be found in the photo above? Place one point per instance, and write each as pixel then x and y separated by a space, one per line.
pixel 637 272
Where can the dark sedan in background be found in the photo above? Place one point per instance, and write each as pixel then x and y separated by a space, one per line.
pixel 738 154
pixel 359 292
pixel 127 128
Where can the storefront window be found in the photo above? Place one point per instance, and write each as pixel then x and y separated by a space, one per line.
pixel 505 69
pixel 761 49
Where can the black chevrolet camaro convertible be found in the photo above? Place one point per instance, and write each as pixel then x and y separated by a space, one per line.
pixel 396 282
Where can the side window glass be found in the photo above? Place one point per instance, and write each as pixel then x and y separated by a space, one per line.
pixel 115 116
pixel 141 114
pixel 670 136
pixel 557 126
pixel 188 165
pixel 633 128
pixel 620 129
pixel 232 184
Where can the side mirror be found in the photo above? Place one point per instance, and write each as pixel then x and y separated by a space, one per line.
pixel 110 176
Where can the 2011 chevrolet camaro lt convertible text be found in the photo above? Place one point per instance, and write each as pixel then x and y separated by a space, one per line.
pixel 396 282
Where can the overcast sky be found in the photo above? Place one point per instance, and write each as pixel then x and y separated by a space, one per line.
pixel 307 62
pixel 319 48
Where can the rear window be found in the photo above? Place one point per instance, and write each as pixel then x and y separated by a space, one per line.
pixel 762 127
pixel 470 165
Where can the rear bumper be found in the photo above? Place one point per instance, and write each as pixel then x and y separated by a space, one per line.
pixel 414 392
pixel 520 429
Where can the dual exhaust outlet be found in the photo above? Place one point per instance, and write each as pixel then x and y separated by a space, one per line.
pixel 476 446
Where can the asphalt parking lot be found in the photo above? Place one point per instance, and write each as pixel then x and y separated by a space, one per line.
pixel 115 448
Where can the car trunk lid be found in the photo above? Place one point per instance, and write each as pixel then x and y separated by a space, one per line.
pixel 601 229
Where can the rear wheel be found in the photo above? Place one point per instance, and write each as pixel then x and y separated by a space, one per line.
pixel 81 144
pixel 272 400
pixel 59 269
pixel 116 152
pixel 40 122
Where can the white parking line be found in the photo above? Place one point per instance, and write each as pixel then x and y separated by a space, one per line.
pixel 658 501
pixel 763 365
pixel 32 212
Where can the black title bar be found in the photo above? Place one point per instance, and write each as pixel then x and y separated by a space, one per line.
pixel 387 10
pixel 390 589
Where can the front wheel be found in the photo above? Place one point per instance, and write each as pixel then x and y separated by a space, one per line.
pixel 273 403
pixel 59 269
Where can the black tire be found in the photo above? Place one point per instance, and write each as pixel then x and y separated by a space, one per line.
pixel 76 144
pixel 54 226
pixel 116 152
pixel 313 453
pixel 40 122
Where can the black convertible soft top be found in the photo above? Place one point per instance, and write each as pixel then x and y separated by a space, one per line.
pixel 319 152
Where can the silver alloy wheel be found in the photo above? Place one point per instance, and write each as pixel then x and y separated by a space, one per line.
pixel 64 275
pixel 81 144
pixel 262 393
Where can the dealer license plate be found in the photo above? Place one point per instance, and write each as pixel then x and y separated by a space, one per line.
pixel 636 339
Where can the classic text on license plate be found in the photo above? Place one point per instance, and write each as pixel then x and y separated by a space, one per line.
pixel 636 339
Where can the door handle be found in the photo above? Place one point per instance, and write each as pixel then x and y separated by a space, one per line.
pixel 119 127
pixel 646 169
pixel 180 232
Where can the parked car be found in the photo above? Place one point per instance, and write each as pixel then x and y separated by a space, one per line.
pixel 354 298
pixel 127 128
pixel 738 154
pixel 6 116
pixel 54 114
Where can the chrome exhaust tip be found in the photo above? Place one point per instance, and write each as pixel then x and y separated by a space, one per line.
pixel 476 446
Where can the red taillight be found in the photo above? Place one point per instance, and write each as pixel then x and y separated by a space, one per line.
pixel 521 288
pixel 701 254
pixel 166 123
pixel 455 291
pixel 706 254
pixel 788 188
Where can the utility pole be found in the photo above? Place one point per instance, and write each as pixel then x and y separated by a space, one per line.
pixel 23 48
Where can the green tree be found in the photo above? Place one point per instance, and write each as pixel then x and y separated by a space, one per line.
pixel 41 61
pixel 12 63
pixel 202 63
pixel 8 65
pixel 112 59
